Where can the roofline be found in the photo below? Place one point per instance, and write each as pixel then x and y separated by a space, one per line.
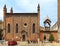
pixel 54 24
pixel 19 13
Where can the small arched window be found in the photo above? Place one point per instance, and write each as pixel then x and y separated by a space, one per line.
pixel 16 28
pixel 33 28
pixel 8 28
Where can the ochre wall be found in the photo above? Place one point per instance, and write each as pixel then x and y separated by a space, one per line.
pixel 54 34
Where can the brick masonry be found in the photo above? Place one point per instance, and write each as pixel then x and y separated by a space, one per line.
pixel 20 19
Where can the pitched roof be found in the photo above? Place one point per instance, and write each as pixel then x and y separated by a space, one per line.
pixel 47 18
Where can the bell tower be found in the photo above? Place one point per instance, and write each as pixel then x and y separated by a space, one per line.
pixel 47 24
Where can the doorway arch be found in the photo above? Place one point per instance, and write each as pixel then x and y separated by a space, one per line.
pixel 23 37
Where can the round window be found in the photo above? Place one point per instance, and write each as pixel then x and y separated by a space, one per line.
pixel 25 24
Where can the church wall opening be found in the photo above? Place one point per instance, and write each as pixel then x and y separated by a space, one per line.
pixel 23 37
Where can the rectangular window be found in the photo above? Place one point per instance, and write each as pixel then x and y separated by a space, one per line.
pixel 8 28
pixel 33 28
pixel 16 28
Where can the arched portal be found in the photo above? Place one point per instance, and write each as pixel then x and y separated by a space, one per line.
pixel 23 37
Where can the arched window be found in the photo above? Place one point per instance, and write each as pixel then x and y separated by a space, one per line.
pixel 16 28
pixel 8 28
pixel 33 28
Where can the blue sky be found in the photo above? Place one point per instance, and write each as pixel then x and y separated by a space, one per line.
pixel 47 7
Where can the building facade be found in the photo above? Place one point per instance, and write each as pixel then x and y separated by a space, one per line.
pixel 21 26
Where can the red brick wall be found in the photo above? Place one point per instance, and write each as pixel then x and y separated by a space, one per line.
pixel 20 20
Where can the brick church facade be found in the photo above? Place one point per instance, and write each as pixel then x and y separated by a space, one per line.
pixel 21 26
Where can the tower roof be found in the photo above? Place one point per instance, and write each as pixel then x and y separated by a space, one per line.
pixel 5 6
pixel 11 10
pixel 47 18
pixel 38 7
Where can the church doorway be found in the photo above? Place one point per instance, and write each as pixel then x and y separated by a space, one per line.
pixel 23 37
pixel 44 37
